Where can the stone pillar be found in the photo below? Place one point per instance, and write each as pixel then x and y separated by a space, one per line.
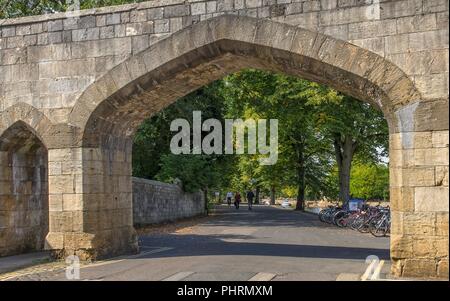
pixel 419 197
pixel 90 203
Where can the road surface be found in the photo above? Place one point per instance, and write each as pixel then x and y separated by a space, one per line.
pixel 263 244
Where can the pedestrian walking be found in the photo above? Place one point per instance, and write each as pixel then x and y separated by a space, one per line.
pixel 229 197
pixel 250 196
pixel 237 200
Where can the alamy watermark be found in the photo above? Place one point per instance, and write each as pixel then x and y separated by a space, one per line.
pixel 73 267
pixel 220 142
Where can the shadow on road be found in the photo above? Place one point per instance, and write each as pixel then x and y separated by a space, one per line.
pixel 210 245
pixel 263 216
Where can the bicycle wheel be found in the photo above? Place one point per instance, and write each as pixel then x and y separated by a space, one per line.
pixel 378 230
pixel 341 222
pixel 357 223
pixel 337 216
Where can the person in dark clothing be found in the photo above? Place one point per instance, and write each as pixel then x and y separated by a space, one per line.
pixel 250 196
pixel 237 200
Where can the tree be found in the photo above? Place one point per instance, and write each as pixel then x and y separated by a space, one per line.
pixel 355 129
pixel 152 140
pixel 20 8
pixel 196 172
pixel 303 152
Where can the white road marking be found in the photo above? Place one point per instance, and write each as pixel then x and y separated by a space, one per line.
pixel 162 249
pixel 377 271
pixel 369 270
pixel 373 270
pixel 178 276
pixel 263 277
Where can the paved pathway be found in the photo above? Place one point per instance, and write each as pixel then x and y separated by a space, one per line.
pixel 264 244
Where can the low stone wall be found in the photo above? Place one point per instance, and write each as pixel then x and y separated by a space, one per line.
pixel 157 202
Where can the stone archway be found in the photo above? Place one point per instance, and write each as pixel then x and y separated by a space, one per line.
pixel 24 209
pixel 98 185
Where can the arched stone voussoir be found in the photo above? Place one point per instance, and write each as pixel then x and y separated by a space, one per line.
pixel 51 135
pixel 271 45
pixel 35 121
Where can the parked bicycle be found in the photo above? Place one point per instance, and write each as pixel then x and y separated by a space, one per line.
pixel 375 220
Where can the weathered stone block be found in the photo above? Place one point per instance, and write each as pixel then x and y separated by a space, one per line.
pixel 431 116
pixel 112 19
pixel 155 13
pixel 101 20
pixel 402 199
pixel 419 223
pixel 176 11
pixel 419 268
pixel 375 45
pixel 36 28
pixel 431 199
pixel 55 25
pixel 86 34
pixel 162 26
pixel 61 184
pixel 253 3
pixel 8 31
pixel 137 16
pixel 23 30
pixel 442 270
pixel 440 139
pixel 441 176
pixel 106 32
pixel 87 21
pixel 198 8
pixel 49 53
pixel 432 6
pixel 55 202
pixel 309 6
pixel 54 240
pixel 430 157
pixel 294 8
pixel 72 202
pixel 442 224
pixel 393 9
pixel 416 23
pixel 225 5
pixel 328 4
pixel 401 246
pixel 125 17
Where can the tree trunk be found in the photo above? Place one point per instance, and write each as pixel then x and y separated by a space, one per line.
pixel 301 180
pixel 301 195
pixel 205 191
pixel 344 151
pixel 257 195
pixel 272 195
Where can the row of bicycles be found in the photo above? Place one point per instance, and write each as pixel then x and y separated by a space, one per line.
pixel 373 219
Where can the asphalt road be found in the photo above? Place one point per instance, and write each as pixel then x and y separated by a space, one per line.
pixel 266 243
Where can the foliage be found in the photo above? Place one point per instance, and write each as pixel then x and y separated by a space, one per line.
pixel 369 181
pixel 194 171
pixel 21 8
pixel 303 152
pixel 152 140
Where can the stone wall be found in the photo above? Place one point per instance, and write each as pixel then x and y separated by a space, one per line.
pixel 158 202
pixel 47 61
pixel 84 81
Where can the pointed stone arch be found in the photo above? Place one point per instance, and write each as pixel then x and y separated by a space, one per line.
pixel 24 206
pixel 108 112
pixel 146 82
